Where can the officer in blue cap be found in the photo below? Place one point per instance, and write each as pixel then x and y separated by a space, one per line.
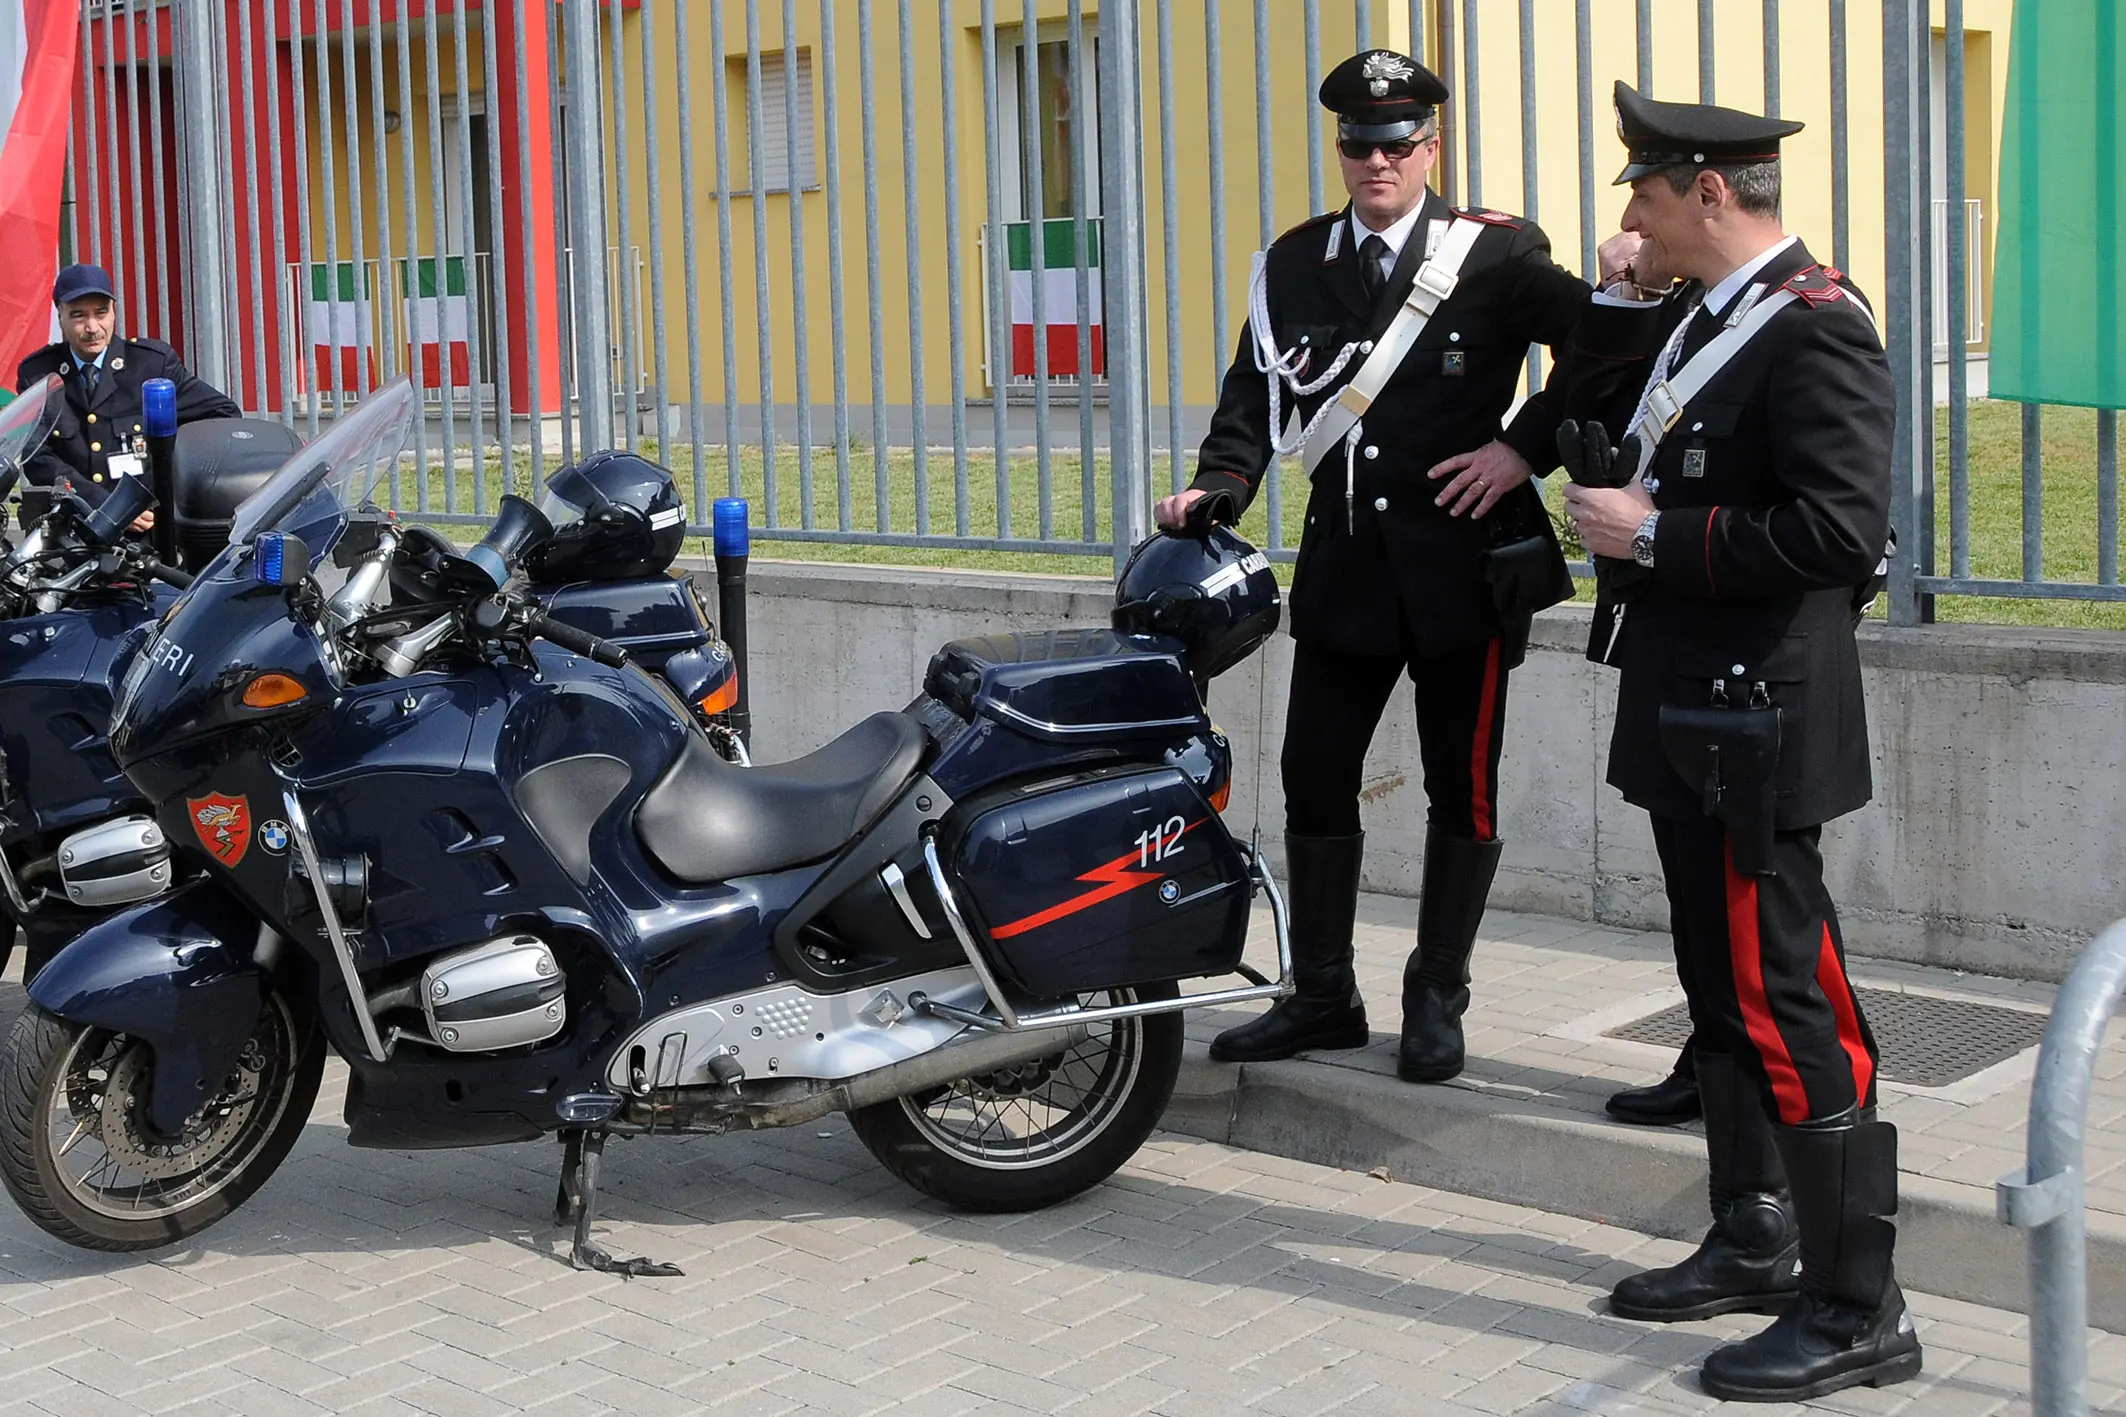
pixel 99 417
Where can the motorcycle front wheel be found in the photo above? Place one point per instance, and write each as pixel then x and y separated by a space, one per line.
pixel 1040 1133
pixel 78 1156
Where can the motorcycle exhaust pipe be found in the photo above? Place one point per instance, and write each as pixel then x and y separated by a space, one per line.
pixel 985 1053
pixel 733 546
pixel 158 419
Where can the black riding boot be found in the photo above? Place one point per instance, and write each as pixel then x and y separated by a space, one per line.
pixel 1458 872
pixel 1848 1325
pixel 1667 1103
pixel 1326 1012
pixel 1746 1261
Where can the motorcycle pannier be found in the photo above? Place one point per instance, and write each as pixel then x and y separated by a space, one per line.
pixel 1068 686
pixel 1104 881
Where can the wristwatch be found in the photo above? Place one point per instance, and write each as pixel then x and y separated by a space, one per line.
pixel 1642 540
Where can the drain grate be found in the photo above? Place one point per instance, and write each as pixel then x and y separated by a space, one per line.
pixel 1925 1041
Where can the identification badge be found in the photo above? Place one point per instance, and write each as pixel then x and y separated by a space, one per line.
pixel 1694 462
pixel 127 465
pixel 1453 363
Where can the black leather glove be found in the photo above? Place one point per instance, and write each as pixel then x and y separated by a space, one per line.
pixel 1589 458
pixel 1209 510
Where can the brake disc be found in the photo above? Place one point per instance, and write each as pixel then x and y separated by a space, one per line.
pixel 125 1096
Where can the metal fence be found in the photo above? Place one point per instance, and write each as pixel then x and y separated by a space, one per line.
pixel 967 273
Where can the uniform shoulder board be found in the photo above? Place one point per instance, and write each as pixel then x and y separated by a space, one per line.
pixel 39 364
pixel 1310 223
pixel 1816 285
pixel 154 346
pixel 1489 217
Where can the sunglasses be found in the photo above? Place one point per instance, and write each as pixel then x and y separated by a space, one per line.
pixel 1358 149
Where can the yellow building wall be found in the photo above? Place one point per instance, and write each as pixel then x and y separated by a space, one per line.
pixel 1554 197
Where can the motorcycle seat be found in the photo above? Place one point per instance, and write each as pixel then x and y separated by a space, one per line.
pixel 708 820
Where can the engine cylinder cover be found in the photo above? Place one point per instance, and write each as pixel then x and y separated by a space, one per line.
pixel 502 994
pixel 115 862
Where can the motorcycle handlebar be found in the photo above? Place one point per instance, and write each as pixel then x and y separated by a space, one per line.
pixel 577 641
pixel 169 575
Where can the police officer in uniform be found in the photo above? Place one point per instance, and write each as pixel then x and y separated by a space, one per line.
pixel 1746 513
pixel 100 411
pixel 1425 551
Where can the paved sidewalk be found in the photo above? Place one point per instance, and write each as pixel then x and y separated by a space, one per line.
pixel 1203 1280
pixel 1525 1121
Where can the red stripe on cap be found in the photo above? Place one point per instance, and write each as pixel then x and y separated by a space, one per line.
pixel 1746 954
pixel 1831 979
pixel 1480 785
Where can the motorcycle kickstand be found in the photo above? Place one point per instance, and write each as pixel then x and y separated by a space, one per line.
pixel 577 1200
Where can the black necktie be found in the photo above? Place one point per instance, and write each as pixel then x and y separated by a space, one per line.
pixel 89 375
pixel 1371 253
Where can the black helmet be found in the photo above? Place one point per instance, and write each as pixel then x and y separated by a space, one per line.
pixel 1212 592
pixel 631 521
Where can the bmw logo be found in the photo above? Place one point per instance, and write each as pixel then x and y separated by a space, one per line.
pixel 1169 891
pixel 273 836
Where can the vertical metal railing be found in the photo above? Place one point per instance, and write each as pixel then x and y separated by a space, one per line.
pixel 2045 1197
pixel 388 149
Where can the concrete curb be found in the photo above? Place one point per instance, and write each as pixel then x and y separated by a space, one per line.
pixel 1528 1153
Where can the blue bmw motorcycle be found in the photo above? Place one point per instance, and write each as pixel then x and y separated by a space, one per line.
pixel 78 596
pixel 502 872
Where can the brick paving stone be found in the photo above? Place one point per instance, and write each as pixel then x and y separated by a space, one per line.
pixel 1204 1281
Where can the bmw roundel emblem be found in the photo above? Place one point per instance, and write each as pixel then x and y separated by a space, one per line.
pixel 1169 891
pixel 273 836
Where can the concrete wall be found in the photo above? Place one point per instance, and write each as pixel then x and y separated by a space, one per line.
pixel 1996 841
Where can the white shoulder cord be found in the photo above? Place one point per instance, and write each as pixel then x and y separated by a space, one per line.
pixel 1281 367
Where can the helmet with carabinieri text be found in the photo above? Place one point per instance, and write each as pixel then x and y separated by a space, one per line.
pixel 616 514
pixel 1206 588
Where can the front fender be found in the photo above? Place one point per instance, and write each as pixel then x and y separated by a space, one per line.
pixel 177 973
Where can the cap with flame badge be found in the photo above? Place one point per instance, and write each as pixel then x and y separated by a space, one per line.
pixel 1658 135
pixel 1379 96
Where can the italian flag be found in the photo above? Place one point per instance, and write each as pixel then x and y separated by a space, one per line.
pixel 1059 294
pixel 343 344
pixel 438 314
pixel 37 53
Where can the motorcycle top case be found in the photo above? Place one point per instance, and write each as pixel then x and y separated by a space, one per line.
pixel 1102 881
pixel 1069 686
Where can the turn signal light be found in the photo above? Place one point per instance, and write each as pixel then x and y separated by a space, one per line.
pixel 1222 796
pixel 271 690
pixel 722 698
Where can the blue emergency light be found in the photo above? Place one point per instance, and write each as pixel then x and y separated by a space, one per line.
pixel 158 408
pixel 727 522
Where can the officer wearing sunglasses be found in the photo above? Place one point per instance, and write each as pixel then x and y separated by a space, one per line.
pixel 1426 547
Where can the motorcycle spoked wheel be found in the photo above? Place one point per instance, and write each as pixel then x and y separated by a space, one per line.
pixel 1040 1133
pixel 75 1156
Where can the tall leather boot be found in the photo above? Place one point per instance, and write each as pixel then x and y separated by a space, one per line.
pixel 1848 1325
pixel 1458 872
pixel 1746 1261
pixel 1326 1011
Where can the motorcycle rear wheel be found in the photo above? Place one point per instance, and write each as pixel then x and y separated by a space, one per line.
pixel 74 1152
pixel 1038 1134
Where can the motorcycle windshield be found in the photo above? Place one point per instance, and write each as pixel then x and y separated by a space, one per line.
pixel 315 490
pixel 24 422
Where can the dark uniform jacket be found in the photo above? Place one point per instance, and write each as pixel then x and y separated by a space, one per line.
pixel 1774 490
pixel 89 430
pixel 1401 575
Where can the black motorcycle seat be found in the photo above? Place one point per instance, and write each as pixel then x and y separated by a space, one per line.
pixel 708 820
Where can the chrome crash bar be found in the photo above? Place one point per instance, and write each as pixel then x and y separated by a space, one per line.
pixel 1008 1019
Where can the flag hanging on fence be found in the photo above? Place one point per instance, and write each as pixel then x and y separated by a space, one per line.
pixel 36 96
pixel 2060 273
pixel 343 343
pixel 437 322
pixel 1059 294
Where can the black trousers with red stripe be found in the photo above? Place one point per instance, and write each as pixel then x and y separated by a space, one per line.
pixel 1336 703
pixel 1763 966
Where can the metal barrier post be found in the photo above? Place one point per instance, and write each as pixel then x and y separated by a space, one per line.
pixel 1122 254
pixel 586 226
pixel 2045 1197
pixel 205 347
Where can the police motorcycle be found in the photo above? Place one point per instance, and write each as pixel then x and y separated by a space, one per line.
pixel 511 881
pixel 77 597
